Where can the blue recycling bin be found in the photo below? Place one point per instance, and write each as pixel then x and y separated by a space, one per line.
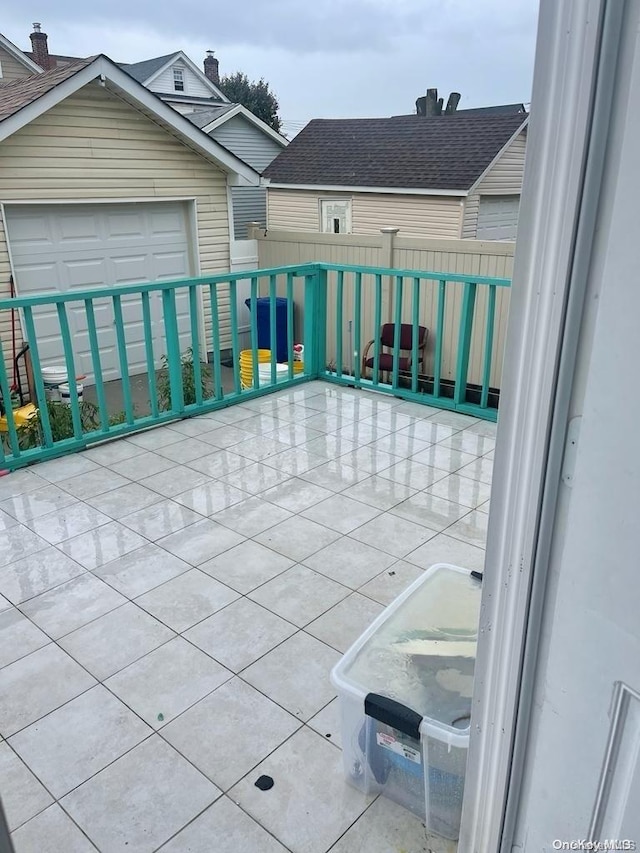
pixel 264 324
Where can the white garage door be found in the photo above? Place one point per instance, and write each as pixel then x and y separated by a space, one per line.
pixel 72 247
pixel 498 217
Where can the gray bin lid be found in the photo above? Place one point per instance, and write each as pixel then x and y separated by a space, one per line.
pixel 421 650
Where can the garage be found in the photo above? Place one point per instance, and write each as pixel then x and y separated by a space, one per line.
pixel 67 247
pixel 498 217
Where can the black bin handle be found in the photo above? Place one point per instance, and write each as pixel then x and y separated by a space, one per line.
pixel 393 714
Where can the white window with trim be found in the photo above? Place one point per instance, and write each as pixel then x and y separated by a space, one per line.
pixel 335 215
pixel 178 79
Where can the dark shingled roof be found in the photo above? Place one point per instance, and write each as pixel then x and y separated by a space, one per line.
pixel 141 71
pixel 408 152
pixel 18 94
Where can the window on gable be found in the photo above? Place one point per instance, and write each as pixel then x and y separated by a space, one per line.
pixel 178 79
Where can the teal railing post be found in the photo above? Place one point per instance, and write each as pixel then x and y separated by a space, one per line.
pixel 377 330
pixel 195 342
pixel 123 360
pixel 255 376
pixel 464 343
pixel 215 340
pixel 290 340
pixel 339 329
pixel 6 396
pixel 315 323
pixel 415 322
pixel 97 366
pixel 357 333
pixel 397 330
pixel 148 349
pixel 488 346
pixel 41 396
pixel 273 331
pixel 173 350
pixel 437 360
pixel 71 369
pixel 235 339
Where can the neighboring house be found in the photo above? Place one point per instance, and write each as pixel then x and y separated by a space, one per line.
pixel 14 64
pixel 101 183
pixel 177 81
pixel 455 175
pixel 236 127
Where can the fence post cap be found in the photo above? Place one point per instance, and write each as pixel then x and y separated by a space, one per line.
pixel 389 229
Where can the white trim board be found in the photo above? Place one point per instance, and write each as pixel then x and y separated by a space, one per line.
pixel 239 109
pixel 552 252
pixel 19 56
pixel 123 85
pixel 348 189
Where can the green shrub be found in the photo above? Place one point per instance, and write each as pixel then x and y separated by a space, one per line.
pixel 163 382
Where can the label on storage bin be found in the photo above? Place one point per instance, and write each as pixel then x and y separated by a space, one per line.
pixel 389 742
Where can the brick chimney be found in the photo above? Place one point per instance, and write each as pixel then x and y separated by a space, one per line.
pixel 40 48
pixel 211 68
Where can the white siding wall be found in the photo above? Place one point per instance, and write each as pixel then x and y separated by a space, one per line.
pixel 192 84
pixel 414 215
pixel 95 146
pixel 257 149
pixel 505 178
pixel 11 68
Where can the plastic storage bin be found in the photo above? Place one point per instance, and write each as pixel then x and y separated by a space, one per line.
pixel 263 319
pixel 405 697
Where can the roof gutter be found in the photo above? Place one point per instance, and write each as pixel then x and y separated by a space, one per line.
pixel 275 185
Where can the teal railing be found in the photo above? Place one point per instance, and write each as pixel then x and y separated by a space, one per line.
pixel 172 336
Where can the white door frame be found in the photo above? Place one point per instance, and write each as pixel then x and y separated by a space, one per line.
pixel 575 64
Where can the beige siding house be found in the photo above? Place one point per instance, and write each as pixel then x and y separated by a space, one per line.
pixel 456 176
pixel 102 183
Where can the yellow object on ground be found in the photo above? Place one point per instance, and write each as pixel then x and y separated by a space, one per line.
pixel 20 417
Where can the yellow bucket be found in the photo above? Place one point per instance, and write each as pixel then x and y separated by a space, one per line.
pixel 21 416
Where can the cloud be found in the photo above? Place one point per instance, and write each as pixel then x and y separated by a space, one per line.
pixel 321 57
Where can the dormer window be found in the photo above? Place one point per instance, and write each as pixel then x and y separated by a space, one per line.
pixel 178 79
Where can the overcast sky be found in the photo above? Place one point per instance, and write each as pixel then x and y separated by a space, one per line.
pixel 323 58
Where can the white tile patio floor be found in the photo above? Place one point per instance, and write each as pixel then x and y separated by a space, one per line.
pixel 172 603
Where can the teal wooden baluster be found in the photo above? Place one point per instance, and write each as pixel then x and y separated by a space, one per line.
pixel 96 364
pixel 311 366
pixel 415 331
pixel 464 343
pixel 235 343
pixel 356 325
pixel 215 341
pixel 437 366
pixel 122 358
pixel 339 304
pixel 377 322
pixel 397 330
pixel 12 434
pixel 273 338
pixel 148 350
pixel 255 376
pixel 320 321
pixel 174 357
pixel 290 323
pixel 195 342
pixel 488 347
pixel 71 369
pixel 37 376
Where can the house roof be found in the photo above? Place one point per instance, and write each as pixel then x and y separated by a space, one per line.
pixel 19 93
pixel 204 117
pixel 446 153
pixel 498 109
pixel 141 71
pixel 24 100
